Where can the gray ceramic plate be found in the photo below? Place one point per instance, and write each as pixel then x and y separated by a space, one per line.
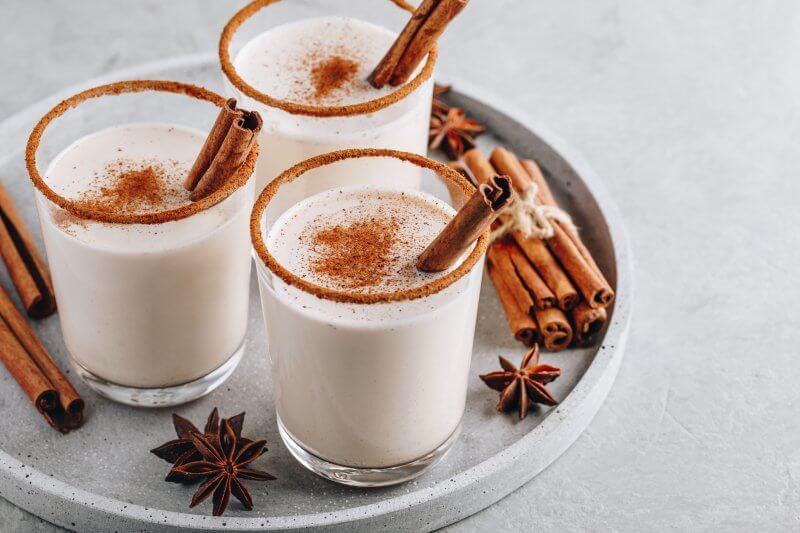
pixel 102 478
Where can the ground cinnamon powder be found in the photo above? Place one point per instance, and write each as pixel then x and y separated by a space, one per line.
pixel 135 187
pixel 356 255
pixel 331 74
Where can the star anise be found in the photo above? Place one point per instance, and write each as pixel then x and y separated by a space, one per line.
pixel 182 449
pixel 453 132
pixel 224 464
pixel 521 387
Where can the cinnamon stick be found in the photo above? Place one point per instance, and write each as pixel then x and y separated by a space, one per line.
pixel 25 266
pixel 522 325
pixel 466 226
pixel 500 259
pixel 589 280
pixel 549 269
pixel 536 174
pixel 418 37
pixel 543 297
pixel 213 142
pixel 536 251
pixel 554 328
pixel 35 371
pixel 231 154
pixel 588 323
pixel 478 165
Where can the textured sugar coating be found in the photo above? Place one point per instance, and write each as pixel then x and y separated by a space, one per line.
pixel 363 239
pixel 322 61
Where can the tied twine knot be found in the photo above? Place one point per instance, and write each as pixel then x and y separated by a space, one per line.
pixel 531 218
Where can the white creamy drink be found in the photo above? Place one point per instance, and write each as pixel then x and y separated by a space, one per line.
pixel 325 62
pixel 145 305
pixel 366 385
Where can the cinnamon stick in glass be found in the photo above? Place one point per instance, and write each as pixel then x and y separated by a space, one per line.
pixel 536 251
pixel 522 325
pixel 418 37
pixel 231 154
pixel 554 327
pixel 586 277
pixel 467 225
pixel 213 142
pixel 35 371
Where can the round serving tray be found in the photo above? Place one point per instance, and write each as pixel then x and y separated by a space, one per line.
pixel 102 477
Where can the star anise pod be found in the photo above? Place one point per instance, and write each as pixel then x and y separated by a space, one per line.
pixel 224 464
pixel 182 450
pixel 453 132
pixel 521 387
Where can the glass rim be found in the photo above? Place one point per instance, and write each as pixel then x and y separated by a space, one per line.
pixel 295 108
pixel 80 209
pixel 430 288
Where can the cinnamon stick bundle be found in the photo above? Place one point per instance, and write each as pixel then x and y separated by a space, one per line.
pixel 25 266
pixel 522 325
pixel 35 371
pixel 584 273
pixel 588 323
pixel 228 143
pixel 466 226
pixel 536 251
pixel 418 37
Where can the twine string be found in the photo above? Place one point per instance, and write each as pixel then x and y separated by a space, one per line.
pixel 530 218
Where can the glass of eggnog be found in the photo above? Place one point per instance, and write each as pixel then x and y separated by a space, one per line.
pixel 370 356
pixel 152 287
pixel 309 79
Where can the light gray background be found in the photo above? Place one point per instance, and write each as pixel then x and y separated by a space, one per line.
pixel 691 113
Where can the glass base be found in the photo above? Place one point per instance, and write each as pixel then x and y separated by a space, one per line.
pixel 164 396
pixel 365 477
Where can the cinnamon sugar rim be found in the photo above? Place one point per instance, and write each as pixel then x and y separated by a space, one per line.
pixel 427 289
pixel 296 108
pixel 81 209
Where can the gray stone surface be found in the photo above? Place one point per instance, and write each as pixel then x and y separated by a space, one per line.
pixel 690 112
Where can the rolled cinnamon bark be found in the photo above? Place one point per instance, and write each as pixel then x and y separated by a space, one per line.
pixel 418 37
pixel 425 38
pixel 500 259
pixel 466 226
pixel 32 367
pixel 536 174
pixel 586 277
pixel 232 153
pixel 554 327
pixel 227 115
pixel 25 266
pixel 522 325
pixel 588 323
pixel 480 167
pixel 537 251
pixel 502 158
pixel 543 297
pixel 384 70
pixel 549 269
